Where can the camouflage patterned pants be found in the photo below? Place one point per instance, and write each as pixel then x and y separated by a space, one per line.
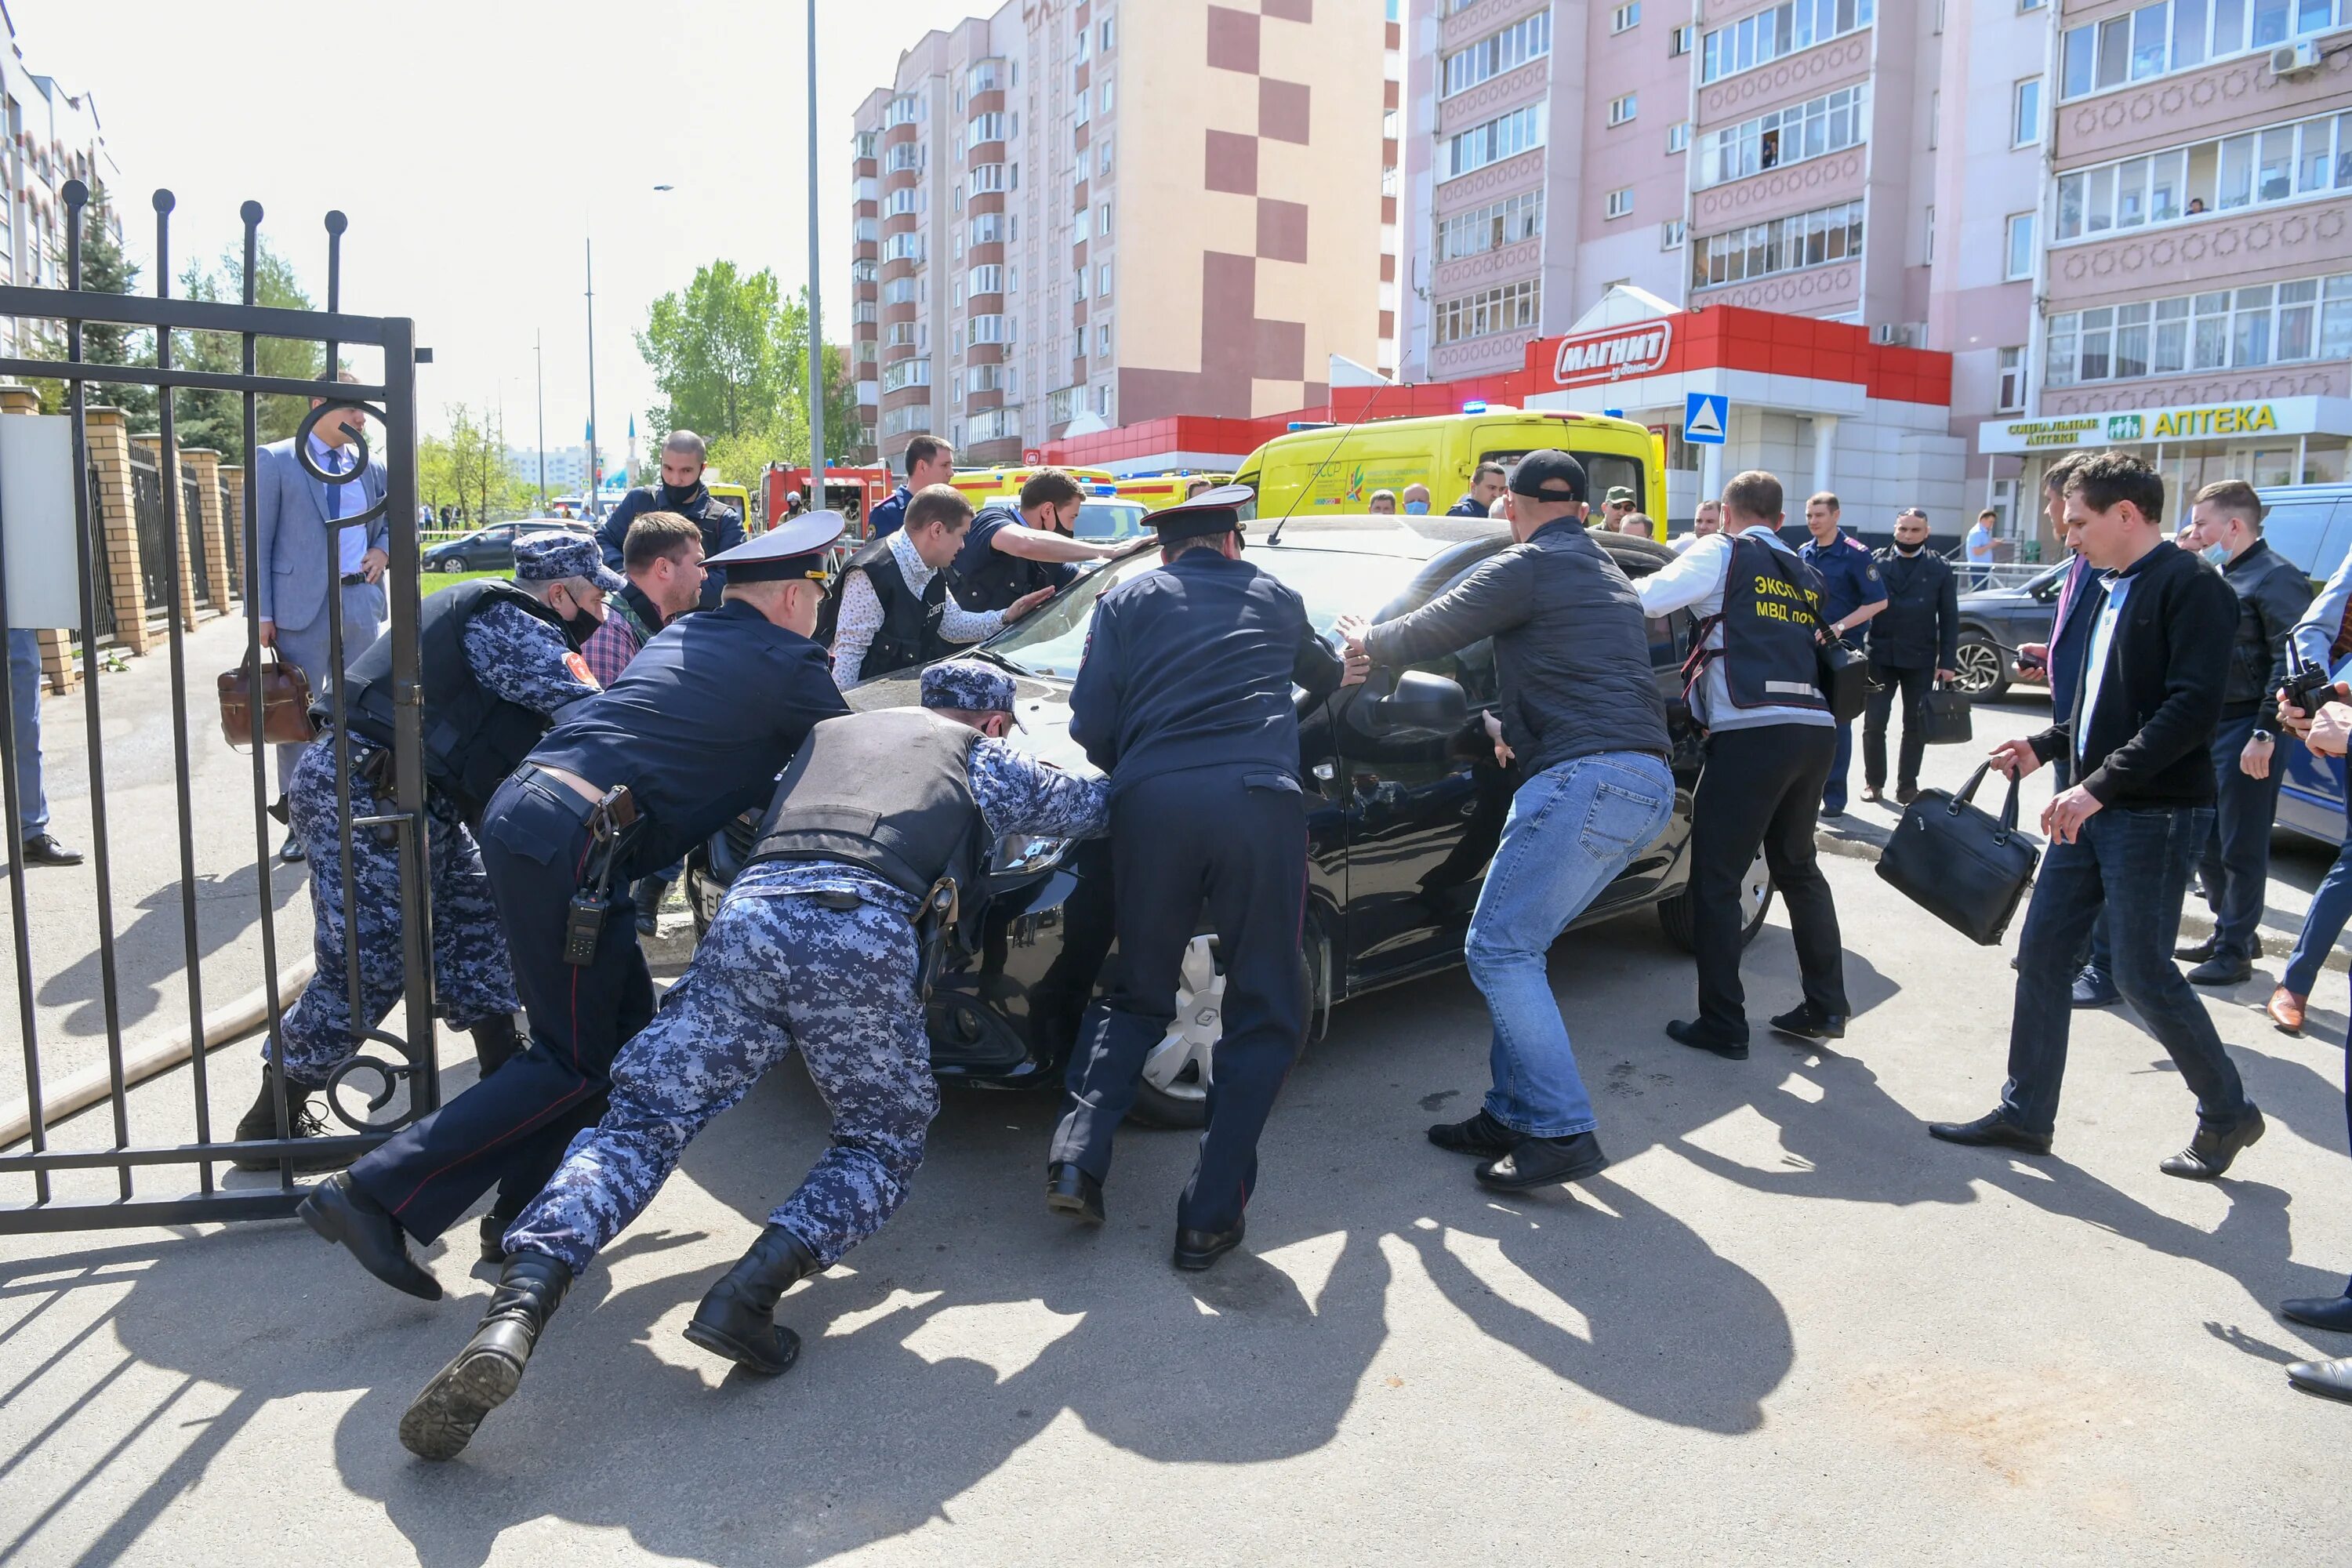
pixel 471 979
pixel 774 973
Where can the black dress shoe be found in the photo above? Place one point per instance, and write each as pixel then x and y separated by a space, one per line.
pixel 1991 1131
pixel 738 1316
pixel 441 1421
pixel 2222 969
pixel 2330 1379
pixel 43 849
pixel 2333 1313
pixel 291 851
pixel 1481 1135
pixel 2195 951
pixel 1698 1038
pixel 1070 1191
pixel 1196 1249
pixel 345 1214
pixel 1807 1023
pixel 2210 1152
pixel 1544 1163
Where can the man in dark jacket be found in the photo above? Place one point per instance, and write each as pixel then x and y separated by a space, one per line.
pixel 1914 643
pixel 1580 712
pixel 2272 593
pixel 1017 548
pixel 1485 486
pixel 2124 835
pixel 681 491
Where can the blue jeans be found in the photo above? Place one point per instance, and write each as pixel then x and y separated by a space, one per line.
pixel 2134 865
pixel 1571 828
pixel 25 703
pixel 1833 792
pixel 2236 865
pixel 2330 907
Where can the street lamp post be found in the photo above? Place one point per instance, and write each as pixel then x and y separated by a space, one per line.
pixel 538 374
pixel 595 477
pixel 817 498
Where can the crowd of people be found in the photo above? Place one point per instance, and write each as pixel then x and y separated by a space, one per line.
pixel 587 726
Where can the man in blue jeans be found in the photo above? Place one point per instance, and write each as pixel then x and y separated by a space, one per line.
pixel 2124 837
pixel 1580 716
pixel 35 843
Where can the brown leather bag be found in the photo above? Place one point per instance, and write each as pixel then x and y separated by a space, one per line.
pixel 285 693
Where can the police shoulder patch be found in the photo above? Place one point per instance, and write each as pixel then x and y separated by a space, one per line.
pixel 1870 570
pixel 581 672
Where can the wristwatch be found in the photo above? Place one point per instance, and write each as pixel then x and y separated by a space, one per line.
pixel 2265 737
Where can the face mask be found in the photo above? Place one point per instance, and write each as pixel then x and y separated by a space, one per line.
pixel 2218 555
pixel 1417 508
pixel 578 628
pixel 673 496
pixel 1910 548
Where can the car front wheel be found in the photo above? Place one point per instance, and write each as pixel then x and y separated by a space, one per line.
pixel 1175 1089
pixel 1983 669
pixel 1674 914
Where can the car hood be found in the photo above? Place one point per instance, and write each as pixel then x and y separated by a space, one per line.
pixel 1041 704
pixel 1997 599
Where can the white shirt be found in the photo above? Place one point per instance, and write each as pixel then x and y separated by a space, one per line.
pixel 343 501
pixel 2095 661
pixel 861 613
pixel 1695 583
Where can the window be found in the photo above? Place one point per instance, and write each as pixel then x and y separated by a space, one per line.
pixel 865 230
pixel 1778 31
pixel 1927 238
pixel 2025 113
pixel 984 378
pixel 992 425
pixel 955 294
pixel 987 178
pixel 903 248
pixel 1491 227
pixel 1620 204
pixel 905 372
pixel 1783 245
pixel 1102 158
pixel 1102 339
pixel 1078 115
pixel 1510 308
pixel 2223 328
pixel 1523 40
pixel 987 229
pixel 2175 35
pixel 984 128
pixel 1621 109
pixel 981 78
pixel 988 328
pixel 914 417
pixel 1102 221
pixel 898 203
pixel 898 291
pixel 2020 246
pixel 987 280
pixel 1682 40
pixel 1813 128
pixel 2255 168
pixel 1102 281
pixel 1625 17
pixel 1080 52
pixel 1935 118
pixel 1670 235
pixel 900 110
pixel 2011 394
pixel 1679 137
pixel 905 155
pixel 1504 136
pixel 866 144
pixel 1108 34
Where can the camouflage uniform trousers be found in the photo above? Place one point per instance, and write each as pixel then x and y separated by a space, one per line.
pixel 471 979
pixel 773 973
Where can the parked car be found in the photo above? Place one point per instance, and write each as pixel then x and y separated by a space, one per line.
pixel 1402 822
pixel 492 549
pixel 1994 622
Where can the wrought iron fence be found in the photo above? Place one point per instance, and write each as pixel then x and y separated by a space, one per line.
pixel 157 562
pixel 191 513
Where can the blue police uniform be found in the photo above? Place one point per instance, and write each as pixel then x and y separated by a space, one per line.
pixel 983 578
pixel 696 730
pixel 889 515
pixel 1184 698
pixel 1849 581
pixel 721 526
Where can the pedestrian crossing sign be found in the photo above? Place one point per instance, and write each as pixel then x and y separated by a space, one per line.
pixel 1703 414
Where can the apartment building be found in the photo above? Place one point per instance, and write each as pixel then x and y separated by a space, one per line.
pixel 53 136
pixel 2196 274
pixel 1227 169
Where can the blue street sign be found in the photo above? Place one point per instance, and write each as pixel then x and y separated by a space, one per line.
pixel 1704 414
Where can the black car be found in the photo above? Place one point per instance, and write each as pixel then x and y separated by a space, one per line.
pixel 1995 622
pixel 492 549
pixel 1401 820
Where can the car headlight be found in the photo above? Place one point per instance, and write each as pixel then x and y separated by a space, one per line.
pixel 1018 854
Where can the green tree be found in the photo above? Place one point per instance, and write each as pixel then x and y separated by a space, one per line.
pixel 216 419
pixel 718 353
pixel 105 270
pixel 470 465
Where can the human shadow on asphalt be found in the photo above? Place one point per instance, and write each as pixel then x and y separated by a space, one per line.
pixel 149 957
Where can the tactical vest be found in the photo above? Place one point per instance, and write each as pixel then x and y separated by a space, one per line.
pixel 909 633
pixel 1003 578
pixel 473 737
pixel 888 790
pixel 1771 608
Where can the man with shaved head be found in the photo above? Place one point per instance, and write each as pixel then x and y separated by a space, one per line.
pixel 681 491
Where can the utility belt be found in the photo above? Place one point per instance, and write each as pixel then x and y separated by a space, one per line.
pixel 613 827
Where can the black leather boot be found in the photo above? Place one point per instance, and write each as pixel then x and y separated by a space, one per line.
pixel 495 1040
pixel 737 1318
pixel 302 1121
pixel 441 1421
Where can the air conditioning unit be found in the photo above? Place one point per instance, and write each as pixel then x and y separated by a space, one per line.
pixel 2298 58
pixel 1898 334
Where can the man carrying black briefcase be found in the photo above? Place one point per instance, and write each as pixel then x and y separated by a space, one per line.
pixel 1914 643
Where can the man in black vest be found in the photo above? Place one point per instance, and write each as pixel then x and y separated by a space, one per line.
pixel 498 661
pixel 681 491
pixel 891 607
pixel 881 820
pixel 1914 643
pixel 1184 698
pixel 1013 551
pixel 692 733
pixel 1770 740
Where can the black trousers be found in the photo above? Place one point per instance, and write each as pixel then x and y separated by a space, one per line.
pixel 1914 685
pixel 1237 843
pixel 1761 788
pixel 511 1128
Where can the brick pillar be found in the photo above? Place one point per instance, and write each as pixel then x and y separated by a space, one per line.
pixel 206 463
pixel 232 505
pixel 168 466
pixel 109 454
pixel 56 645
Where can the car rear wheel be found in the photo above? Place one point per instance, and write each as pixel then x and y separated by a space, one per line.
pixel 1983 669
pixel 1755 899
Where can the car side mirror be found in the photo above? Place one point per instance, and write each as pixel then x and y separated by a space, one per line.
pixel 1421 701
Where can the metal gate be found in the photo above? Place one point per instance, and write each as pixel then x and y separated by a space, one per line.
pixel 179 1180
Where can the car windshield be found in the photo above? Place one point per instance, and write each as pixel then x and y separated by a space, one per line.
pixel 1110 520
pixel 1333 582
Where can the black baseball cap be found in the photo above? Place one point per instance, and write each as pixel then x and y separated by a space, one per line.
pixel 1548 475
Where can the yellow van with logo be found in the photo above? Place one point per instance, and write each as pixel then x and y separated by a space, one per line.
pixel 1335 468
pixel 1156 491
pixel 979 485
pixel 737 497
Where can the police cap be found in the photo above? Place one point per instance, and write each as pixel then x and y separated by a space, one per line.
pixel 1549 475
pixel 792 551
pixel 1211 512
pixel 969 685
pixel 551 557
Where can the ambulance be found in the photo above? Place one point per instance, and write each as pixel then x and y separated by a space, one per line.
pixel 1335 468
pixel 1156 491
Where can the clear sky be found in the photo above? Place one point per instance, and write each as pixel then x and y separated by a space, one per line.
pixel 473 144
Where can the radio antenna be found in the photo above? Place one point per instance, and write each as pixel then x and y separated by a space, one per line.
pixel 1275 537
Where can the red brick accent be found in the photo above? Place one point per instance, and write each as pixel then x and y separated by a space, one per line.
pixel 1233 41
pixel 1281 230
pixel 1231 162
pixel 1282 110
pixel 1289 10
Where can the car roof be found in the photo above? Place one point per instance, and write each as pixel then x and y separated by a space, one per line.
pixel 1366 534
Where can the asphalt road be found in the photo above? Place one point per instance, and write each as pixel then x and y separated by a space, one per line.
pixel 1783 1326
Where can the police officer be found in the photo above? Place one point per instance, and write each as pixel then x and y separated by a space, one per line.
pixel 693 733
pixel 1769 741
pixel 497 660
pixel 882 818
pixel 891 607
pixel 1013 550
pixel 681 491
pixel 1184 698
pixel 1853 593
pixel 1913 645
pixel 929 462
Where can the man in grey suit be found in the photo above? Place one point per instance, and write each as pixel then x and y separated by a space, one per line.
pixel 304 552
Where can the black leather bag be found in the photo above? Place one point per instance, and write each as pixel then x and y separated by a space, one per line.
pixel 1844 675
pixel 1947 718
pixel 1959 863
